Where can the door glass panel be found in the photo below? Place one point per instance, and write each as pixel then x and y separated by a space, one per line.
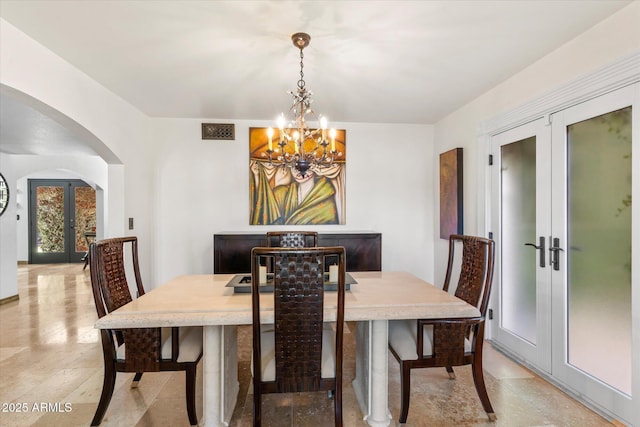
pixel 85 216
pixel 599 247
pixel 50 219
pixel 518 213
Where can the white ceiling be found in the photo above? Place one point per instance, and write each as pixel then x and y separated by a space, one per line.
pixel 368 61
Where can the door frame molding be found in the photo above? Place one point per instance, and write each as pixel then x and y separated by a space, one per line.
pixel 616 75
pixel 623 72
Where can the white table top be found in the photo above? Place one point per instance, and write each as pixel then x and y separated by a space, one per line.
pixel 200 300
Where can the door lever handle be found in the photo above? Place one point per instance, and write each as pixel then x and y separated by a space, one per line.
pixel 540 247
pixel 555 257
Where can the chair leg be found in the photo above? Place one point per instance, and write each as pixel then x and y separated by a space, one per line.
pixel 190 393
pixel 478 380
pixel 405 384
pixel 257 410
pixel 108 385
pixel 338 406
pixel 136 380
pixel 452 375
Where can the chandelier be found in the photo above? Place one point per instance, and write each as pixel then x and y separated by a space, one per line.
pixel 297 145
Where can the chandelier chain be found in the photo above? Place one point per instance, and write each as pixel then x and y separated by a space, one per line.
pixel 301 81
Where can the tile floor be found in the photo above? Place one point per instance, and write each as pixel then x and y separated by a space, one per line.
pixel 51 375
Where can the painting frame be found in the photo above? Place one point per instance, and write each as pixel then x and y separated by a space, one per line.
pixel 451 193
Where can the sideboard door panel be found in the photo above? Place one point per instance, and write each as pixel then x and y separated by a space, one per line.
pixel 232 252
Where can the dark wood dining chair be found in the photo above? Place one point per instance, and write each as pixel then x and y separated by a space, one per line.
pixel 450 342
pixel 292 239
pixel 136 350
pixel 299 351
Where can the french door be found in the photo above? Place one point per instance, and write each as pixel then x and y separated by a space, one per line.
pixel 60 212
pixel 561 216
pixel 521 184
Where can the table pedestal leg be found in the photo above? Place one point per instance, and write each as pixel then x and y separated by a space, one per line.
pixel 220 375
pixel 371 384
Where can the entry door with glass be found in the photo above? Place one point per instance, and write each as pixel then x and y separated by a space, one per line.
pixel 60 212
pixel 561 215
pixel 521 226
pixel 591 270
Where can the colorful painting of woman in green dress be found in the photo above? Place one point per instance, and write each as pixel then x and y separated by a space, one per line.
pixel 284 196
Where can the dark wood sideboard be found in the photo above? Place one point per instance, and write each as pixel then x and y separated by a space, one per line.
pixel 232 252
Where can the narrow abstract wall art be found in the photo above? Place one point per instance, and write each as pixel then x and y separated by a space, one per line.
pixel 451 193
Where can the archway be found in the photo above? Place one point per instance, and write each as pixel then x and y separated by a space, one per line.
pixel 84 156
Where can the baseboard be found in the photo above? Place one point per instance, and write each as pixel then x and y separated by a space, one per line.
pixel 9 299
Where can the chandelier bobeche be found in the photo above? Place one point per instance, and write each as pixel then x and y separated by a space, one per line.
pixel 299 146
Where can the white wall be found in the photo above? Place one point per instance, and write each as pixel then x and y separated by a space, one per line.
pixel 117 131
pixel 180 189
pixel 8 272
pixel 615 38
pixel 203 188
pixel 609 40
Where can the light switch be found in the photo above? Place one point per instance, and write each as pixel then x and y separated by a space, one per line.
pixel 130 223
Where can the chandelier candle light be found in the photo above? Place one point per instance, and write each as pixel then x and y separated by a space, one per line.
pixel 311 148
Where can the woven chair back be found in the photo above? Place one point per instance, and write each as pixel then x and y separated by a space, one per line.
pixel 298 292
pixel 476 269
pixel 292 239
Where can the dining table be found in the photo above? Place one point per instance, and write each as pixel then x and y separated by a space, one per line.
pixel 206 300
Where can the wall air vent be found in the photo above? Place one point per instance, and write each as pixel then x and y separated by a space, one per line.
pixel 218 131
